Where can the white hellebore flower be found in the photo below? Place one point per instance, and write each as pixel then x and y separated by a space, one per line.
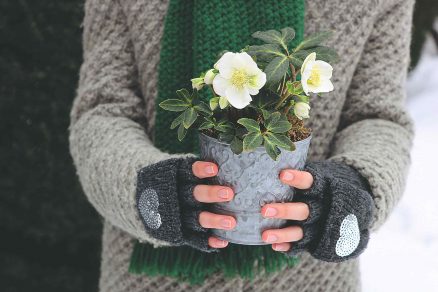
pixel 238 78
pixel 209 76
pixel 315 75
pixel 301 110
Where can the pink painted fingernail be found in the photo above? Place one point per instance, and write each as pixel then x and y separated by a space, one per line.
pixel 288 176
pixel 270 212
pixel 223 193
pixel 278 247
pixel 209 169
pixel 271 238
pixel 226 223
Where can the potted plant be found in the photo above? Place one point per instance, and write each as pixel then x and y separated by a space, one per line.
pixel 253 124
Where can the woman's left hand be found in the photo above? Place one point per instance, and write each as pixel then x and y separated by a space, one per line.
pixel 281 239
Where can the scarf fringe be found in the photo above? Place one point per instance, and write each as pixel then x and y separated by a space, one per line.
pixel 190 265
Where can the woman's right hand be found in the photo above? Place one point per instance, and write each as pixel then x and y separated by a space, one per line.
pixel 212 194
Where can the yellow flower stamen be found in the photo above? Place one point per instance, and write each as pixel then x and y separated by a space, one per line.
pixel 315 77
pixel 239 78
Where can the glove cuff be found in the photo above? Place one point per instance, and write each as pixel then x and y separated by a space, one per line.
pixel 166 204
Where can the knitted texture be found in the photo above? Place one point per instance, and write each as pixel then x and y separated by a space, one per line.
pixel 362 124
pixel 166 203
pixel 195 34
pixel 341 210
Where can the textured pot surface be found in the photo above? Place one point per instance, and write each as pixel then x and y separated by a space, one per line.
pixel 254 179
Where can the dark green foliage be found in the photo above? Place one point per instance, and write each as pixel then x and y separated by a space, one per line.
pixel 50 235
pixel 426 12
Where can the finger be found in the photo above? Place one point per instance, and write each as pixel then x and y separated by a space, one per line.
pixel 291 211
pixel 212 194
pixel 216 242
pixel 296 178
pixel 288 234
pixel 203 169
pixel 285 246
pixel 211 220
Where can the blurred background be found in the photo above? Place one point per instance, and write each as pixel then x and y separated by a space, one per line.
pixel 50 235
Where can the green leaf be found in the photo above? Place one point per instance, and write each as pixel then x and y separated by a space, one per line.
pixel 276 69
pixel 314 40
pixel 203 108
pixel 250 124
pixel 177 121
pixel 275 116
pixel 271 149
pixel 252 141
pixel 322 53
pixel 287 34
pixel 226 137
pixel 280 140
pixel 278 125
pixel 265 52
pixel 224 126
pixel 181 132
pixel 275 37
pixel 303 98
pixel 268 36
pixel 190 116
pixel 266 114
pixel 174 105
pixel 206 125
pixel 296 59
pixel 236 145
pixel 184 94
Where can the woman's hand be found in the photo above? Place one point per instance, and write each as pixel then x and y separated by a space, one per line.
pixel 281 238
pixel 212 194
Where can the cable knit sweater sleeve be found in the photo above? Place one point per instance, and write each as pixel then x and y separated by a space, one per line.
pixel 107 132
pixel 376 132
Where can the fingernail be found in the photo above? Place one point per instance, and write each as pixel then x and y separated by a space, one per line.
pixel 226 223
pixel 271 238
pixel 223 194
pixel 222 243
pixel 270 212
pixel 278 247
pixel 209 169
pixel 287 176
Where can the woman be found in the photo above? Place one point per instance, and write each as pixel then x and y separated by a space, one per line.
pixel 361 138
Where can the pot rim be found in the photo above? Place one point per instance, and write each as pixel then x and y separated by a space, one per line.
pixel 304 141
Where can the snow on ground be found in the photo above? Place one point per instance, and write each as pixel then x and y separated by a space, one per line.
pixel 403 254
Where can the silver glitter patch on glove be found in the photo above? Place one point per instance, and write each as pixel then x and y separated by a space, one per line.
pixel 349 236
pixel 148 207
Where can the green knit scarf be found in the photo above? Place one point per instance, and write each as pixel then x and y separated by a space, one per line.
pixel 195 33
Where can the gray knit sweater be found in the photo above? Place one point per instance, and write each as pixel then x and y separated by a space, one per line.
pixel 362 124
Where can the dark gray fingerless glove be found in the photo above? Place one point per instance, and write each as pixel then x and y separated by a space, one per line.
pixel 341 209
pixel 166 204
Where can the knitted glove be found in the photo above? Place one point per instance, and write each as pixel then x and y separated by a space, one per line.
pixel 166 204
pixel 341 209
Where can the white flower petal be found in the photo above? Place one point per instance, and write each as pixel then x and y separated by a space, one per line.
pixel 311 57
pixel 326 86
pixel 325 68
pixel 238 98
pixel 225 64
pixel 249 64
pixel 220 85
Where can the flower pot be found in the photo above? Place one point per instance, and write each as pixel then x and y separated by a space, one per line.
pixel 254 178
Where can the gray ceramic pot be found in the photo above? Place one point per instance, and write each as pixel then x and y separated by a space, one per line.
pixel 254 179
